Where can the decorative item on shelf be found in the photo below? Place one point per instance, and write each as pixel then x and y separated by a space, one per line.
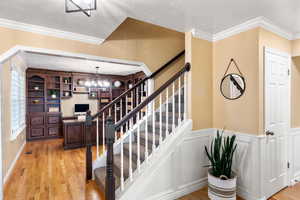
pixel 221 178
pixel 104 100
pixel 36 101
pixel 117 84
pixel 233 85
pixel 66 81
pixel 53 94
pixel 53 109
pixel 66 94
pixel 85 6
pixel 36 88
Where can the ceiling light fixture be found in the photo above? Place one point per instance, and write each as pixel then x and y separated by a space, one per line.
pixel 85 6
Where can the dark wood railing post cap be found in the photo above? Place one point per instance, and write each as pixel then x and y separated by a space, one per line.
pixel 188 67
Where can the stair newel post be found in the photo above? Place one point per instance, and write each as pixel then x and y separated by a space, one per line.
pixel 110 178
pixel 89 156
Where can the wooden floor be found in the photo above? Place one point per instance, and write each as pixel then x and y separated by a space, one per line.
pixel 199 195
pixel 51 173
pixel 290 193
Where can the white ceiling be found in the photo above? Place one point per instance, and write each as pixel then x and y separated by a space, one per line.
pixel 210 16
pixel 62 63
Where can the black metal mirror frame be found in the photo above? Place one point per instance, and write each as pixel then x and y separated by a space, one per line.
pixel 243 82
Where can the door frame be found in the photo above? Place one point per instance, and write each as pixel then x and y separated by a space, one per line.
pixel 288 106
pixel 1 126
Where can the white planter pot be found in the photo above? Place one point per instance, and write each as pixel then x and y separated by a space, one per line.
pixel 219 189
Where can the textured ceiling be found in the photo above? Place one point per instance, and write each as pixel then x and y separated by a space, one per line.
pixel 60 63
pixel 211 16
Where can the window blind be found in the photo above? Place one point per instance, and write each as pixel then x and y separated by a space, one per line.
pixel 17 102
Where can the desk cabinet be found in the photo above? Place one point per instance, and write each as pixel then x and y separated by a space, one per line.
pixel 75 134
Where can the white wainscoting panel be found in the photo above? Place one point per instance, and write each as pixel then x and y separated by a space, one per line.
pixel 294 152
pixel 180 169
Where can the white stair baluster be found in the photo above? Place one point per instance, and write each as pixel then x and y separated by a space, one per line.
pixel 116 136
pixel 126 111
pixel 153 125
pixel 146 136
pixel 115 112
pixel 97 135
pixel 138 144
pixel 179 100
pixel 130 156
pixel 103 132
pixel 122 160
pixel 160 119
pixel 185 96
pixel 173 108
pixel 167 112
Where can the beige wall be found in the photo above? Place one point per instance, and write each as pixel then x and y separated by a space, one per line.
pixel 10 148
pixel 67 105
pixel 133 40
pixel 241 114
pixel 295 92
pixel 199 54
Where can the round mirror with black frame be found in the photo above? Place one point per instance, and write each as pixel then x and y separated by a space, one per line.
pixel 233 86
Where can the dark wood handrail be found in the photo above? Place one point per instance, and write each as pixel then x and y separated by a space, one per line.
pixel 137 109
pixel 138 84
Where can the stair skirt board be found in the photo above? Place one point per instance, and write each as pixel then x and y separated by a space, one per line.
pixel 148 171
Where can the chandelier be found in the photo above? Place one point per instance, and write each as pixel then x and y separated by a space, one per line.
pixel 85 6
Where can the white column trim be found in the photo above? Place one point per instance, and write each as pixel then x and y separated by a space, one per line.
pixel 1 161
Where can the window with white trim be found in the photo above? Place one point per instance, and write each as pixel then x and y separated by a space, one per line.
pixel 17 102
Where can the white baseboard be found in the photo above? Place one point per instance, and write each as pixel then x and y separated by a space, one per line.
pixel 10 170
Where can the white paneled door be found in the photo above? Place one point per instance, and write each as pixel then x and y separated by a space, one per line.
pixel 277 119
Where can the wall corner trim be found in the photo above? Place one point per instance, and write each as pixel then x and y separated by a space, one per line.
pixel 50 31
pixel 10 170
pixel 202 35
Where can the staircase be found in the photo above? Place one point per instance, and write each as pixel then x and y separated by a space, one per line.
pixel 155 138
pixel 138 135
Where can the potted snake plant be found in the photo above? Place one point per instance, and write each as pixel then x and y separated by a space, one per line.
pixel 221 178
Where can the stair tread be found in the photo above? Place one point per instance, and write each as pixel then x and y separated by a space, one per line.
pixel 117 165
pixel 134 150
pixel 100 175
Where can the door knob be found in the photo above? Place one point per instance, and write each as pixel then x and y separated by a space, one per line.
pixel 270 133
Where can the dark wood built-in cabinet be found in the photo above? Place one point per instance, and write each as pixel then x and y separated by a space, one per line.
pixel 43 106
pixel 46 90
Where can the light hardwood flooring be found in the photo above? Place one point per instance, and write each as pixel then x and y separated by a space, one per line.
pixel 290 193
pixel 51 173
pixel 199 195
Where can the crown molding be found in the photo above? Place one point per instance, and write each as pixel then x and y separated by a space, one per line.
pixel 202 35
pixel 49 31
pixel 250 24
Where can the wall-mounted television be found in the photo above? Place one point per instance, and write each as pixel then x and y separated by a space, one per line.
pixel 81 108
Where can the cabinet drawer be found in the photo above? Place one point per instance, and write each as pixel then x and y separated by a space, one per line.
pixel 53 119
pixel 37 132
pixel 53 131
pixel 37 120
